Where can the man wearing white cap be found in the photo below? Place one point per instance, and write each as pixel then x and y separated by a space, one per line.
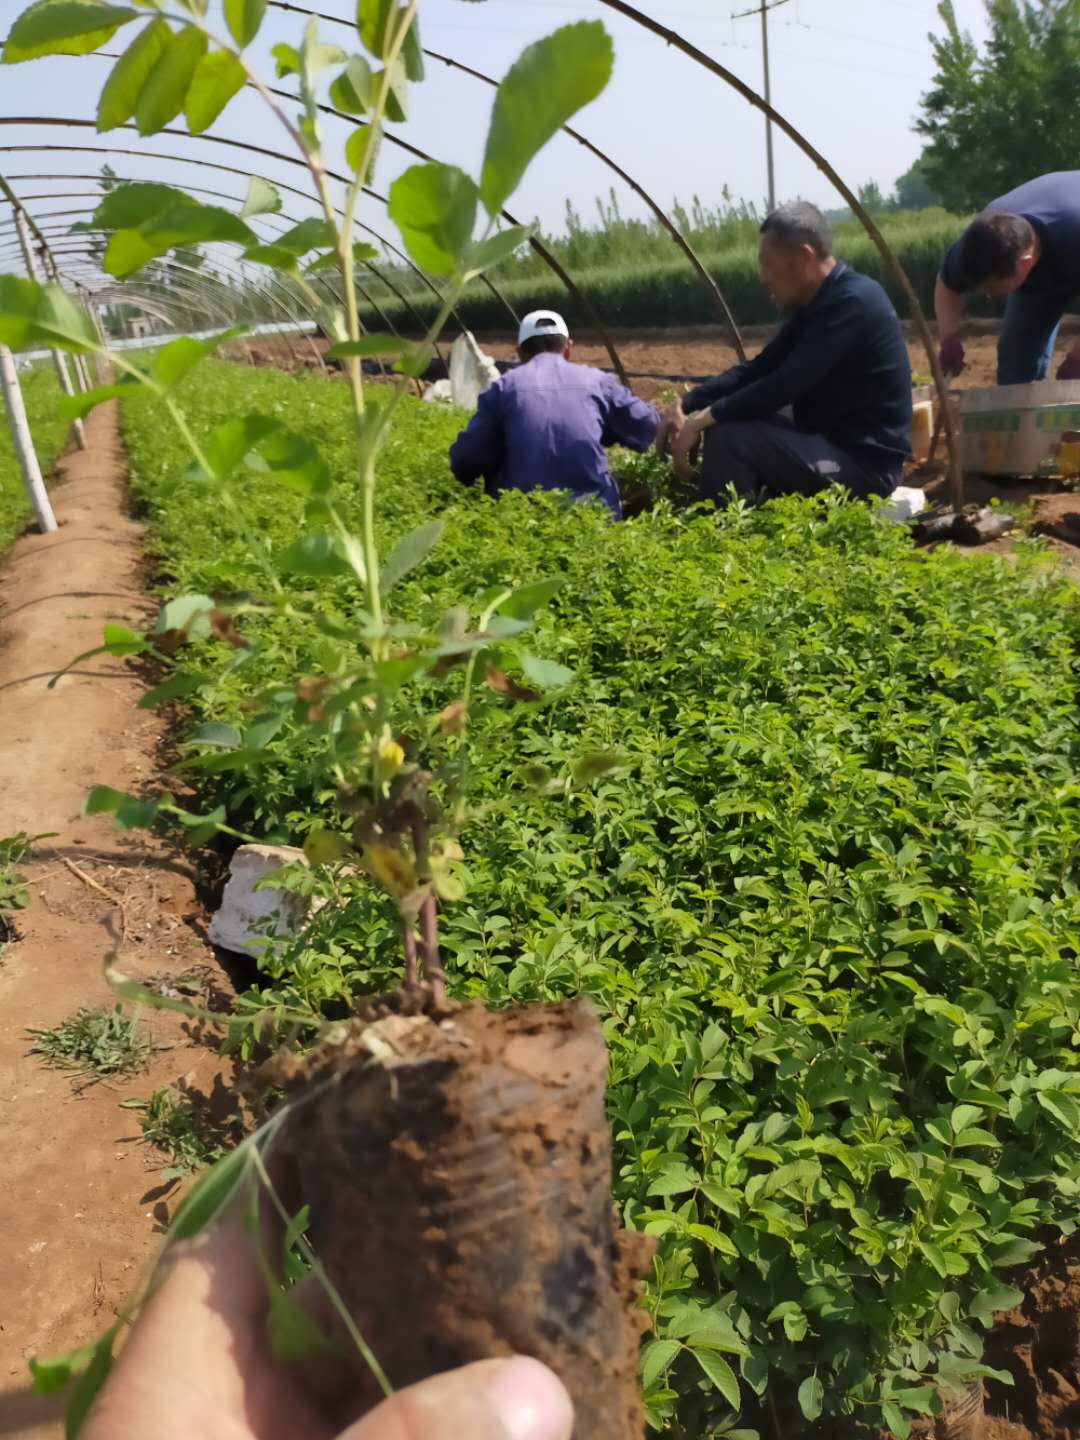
pixel 545 424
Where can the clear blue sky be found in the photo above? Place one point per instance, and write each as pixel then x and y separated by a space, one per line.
pixel 849 73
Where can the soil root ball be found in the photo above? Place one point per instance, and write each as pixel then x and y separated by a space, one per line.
pixel 458 1171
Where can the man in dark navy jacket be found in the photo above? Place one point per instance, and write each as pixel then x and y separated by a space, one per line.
pixel 1025 245
pixel 839 363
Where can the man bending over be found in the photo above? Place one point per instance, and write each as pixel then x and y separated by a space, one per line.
pixel 545 424
pixel 1026 246
pixel 839 362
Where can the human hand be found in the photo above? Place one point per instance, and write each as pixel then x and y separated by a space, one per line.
pixel 685 445
pixel 951 355
pixel 672 420
pixel 198 1363
pixel 1069 369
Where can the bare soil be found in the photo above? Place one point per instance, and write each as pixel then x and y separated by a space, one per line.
pixel 458 1169
pixel 80 1200
pixel 655 360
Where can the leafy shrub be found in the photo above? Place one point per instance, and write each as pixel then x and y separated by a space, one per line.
pixel 825 894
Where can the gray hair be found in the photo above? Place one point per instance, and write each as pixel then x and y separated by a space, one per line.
pixel 799 224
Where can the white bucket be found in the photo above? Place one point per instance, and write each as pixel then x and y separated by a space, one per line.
pixel 1019 429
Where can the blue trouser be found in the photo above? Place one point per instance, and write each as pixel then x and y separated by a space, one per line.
pixel 1028 332
pixel 762 458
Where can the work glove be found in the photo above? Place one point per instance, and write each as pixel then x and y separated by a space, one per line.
pixel 1069 369
pixel 952 355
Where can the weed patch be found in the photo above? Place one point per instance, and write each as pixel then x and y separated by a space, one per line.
pixel 95 1045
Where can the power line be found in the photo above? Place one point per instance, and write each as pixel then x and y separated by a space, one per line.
pixel 763 9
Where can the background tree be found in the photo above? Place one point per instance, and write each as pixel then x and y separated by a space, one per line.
pixel 914 190
pixel 997 117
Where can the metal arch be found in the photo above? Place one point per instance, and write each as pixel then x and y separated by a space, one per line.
pixel 197 285
pixel 538 246
pixel 271 279
pixel 276 215
pixel 672 37
pixel 178 266
pixel 210 165
pixel 657 209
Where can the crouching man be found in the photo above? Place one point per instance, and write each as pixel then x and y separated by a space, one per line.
pixel 545 424
pixel 839 365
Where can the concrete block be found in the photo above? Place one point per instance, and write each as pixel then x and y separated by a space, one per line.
pixel 247 917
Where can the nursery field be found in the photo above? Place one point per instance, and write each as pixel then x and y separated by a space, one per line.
pixel 50 430
pixel 797 809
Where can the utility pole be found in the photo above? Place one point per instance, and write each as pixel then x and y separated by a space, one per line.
pixel 762 10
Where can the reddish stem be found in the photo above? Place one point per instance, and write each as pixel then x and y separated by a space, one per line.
pixel 408 939
pixel 429 941
pixel 429 924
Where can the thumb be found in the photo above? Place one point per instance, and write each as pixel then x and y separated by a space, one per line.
pixel 515 1399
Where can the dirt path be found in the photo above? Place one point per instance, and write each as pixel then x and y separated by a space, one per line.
pixel 77 1195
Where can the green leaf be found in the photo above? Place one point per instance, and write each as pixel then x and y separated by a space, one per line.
pixel 523 603
pixel 286 60
pixel 120 95
pixel 410 551
pixel 291 459
pixel 89 1384
pixel 315 554
pixel 548 84
pixel 294 1335
pixel 811 1398
pixel 397 94
pixel 175 688
pixel 368 345
pixel 218 77
pixel 228 445
pixel 189 614
pixel 894 1419
pixel 1015 1252
pixel 356 149
pixel 656 1357
pixel 210 1194
pixel 935 1255
pixel 361 251
pixel 181 224
pixel 412 52
pixel 721 1374
pixel 32 315
pixel 119 640
pixel 991 1302
pixel 64 27
pixel 163 95
pixel 130 812
pixel 497 248
pixel 56 1374
pixel 312 234
pixel 130 205
pixel 262 198
pixel 180 357
pixel 548 674
pixel 74 407
pixel 243 17
pixel 963 1116
pixel 354 89
pixel 272 257
pixel 216 734
pixel 373 19
pixel 434 207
